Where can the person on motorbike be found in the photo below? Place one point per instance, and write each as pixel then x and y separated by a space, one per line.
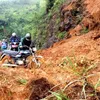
pixel 26 42
pixel 24 56
pixel 14 42
pixel 28 45
pixel 4 45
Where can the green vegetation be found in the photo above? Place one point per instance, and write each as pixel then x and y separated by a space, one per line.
pixel 60 96
pixel 97 84
pixel 20 16
pixel 61 35
pixel 9 93
pixel 84 30
pixel 49 24
pixel 22 81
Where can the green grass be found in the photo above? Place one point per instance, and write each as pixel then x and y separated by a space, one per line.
pixel 97 84
pixel 22 81
pixel 60 96
pixel 61 35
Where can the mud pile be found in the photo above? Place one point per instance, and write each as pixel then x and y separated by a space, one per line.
pixel 37 89
pixel 84 42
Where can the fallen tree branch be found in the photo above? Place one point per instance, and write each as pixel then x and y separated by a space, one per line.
pixel 57 85
pixel 92 75
pixel 71 83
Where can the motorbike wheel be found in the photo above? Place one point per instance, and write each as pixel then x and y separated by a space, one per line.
pixel 6 60
pixel 37 62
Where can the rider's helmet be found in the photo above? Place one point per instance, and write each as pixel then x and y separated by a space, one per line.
pixel 28 36
pixel 3 40
pixel 13 34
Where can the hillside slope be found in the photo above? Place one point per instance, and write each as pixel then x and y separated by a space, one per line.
pixel 76 58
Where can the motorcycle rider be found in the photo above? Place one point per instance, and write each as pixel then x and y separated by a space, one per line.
pixel 27 42
pixel 4 44
pixel 14 38
pixel 20 58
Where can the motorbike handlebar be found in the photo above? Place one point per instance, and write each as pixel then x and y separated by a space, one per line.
pixel 26 47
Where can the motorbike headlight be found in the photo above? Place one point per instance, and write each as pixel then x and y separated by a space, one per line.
pixel 34 49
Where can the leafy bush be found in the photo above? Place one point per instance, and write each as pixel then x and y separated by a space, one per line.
pixel 61 35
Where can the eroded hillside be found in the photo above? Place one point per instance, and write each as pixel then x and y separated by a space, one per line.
pixel 71 66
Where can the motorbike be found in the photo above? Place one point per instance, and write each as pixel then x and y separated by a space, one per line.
pixel 20 58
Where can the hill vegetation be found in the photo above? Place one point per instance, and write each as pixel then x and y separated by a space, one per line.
pixel 20 16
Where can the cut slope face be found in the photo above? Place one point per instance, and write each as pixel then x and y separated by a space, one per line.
pixel 93 7
pixel 80 45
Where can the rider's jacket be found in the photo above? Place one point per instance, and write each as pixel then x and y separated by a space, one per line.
pixel 14 39
pixel 26 42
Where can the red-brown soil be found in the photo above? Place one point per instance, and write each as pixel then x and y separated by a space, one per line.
pixel 53 70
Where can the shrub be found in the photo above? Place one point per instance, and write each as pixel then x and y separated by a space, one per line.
pixel 61 35
pixel 84 30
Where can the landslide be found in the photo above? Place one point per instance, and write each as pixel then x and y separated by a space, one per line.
pixel 64 62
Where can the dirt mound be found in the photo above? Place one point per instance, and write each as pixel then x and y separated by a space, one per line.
pixel 38 89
